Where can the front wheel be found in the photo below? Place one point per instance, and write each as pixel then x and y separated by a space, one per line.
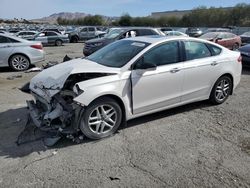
pixel 101 118
pixel 221 90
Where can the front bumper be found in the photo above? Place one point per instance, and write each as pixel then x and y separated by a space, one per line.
pixel 56 115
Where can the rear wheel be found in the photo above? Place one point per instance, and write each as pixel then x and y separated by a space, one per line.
pixel 58 43
pixel 101 118
pixel 221 90
pixel 19 62
pixel 235 46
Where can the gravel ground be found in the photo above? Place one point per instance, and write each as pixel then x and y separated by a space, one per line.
pixel 197 145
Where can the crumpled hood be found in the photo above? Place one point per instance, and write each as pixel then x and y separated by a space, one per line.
pixel 50 81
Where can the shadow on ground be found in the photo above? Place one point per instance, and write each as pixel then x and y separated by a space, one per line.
pixel 12 123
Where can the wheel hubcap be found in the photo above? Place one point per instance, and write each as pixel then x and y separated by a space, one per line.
pixel 222 90
pixel 102 119
pixel 20 63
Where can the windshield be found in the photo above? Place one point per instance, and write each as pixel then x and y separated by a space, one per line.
pixel 246 33
pixel 209 35
pixel 117 54
pixel 114 33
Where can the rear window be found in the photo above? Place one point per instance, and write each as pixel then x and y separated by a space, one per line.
pixel 144 32
pixel 214 49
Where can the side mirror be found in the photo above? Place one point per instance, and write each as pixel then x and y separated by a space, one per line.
pixel 145 65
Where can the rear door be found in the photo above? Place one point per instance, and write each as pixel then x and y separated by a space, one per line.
pixel 52 37
pixel 84 33
pixel 91 33
pixel 6 49
pixel 200 69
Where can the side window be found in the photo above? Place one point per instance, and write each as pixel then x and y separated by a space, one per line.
pixel 4 39
pixel 144 32
pixel 51 34
pixel 214 49
pixel 164 54
pixel 85 29
pixel 196 50
pixel 91 29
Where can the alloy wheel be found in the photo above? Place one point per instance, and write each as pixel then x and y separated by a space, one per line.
pixel 222 90
pixel 20 63
pixel 102 119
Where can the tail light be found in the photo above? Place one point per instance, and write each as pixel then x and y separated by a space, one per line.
pixel 37 46
pixel 239 59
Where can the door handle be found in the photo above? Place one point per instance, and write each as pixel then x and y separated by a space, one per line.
pixel 174 70
pixel 214 63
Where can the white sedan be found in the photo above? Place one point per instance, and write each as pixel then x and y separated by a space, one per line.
pixel 19 53
pixel 131 78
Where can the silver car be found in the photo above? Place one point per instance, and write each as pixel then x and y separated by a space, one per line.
pixel 130 78
pixel 19 53
pixel 28 35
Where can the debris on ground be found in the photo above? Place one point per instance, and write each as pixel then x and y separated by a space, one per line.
pixel 66 58
pixel 12 77
pixel 17 120
pixel 35 69
pixel 50 64
pixel 114 178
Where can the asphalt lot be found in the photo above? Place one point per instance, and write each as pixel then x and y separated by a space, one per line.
pixel 197 145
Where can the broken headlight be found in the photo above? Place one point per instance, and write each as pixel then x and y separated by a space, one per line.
pixel 77 89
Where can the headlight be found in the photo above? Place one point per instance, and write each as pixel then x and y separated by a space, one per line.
pixel 98 44
pixel 77 89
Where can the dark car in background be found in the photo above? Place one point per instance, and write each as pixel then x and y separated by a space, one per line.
pixel 116 34
pixel 245 54
pixel 245 38
pixel 226 39
pixel 194 32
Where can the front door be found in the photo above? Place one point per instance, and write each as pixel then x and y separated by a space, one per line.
pixel 161 87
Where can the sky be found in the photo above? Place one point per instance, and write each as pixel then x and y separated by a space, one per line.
pixel 31 9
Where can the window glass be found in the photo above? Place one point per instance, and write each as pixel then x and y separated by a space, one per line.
pixel 91 29
pixel 4 39
pixel 164 54
pixel 214 49
pixel 144 32
pixel 84 29
pixel 117 54
pixel 51 34
pixel 196 50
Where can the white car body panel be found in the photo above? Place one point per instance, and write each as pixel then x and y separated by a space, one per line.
pixel 152 90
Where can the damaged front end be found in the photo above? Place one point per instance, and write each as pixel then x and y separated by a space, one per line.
pixel 53 108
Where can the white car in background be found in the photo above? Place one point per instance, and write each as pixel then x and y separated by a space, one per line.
pixel 130 78
pixel 19 53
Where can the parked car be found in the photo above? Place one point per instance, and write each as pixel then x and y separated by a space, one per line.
pixel 131 78
pixel 85 33
pixel 174 33
pixel 51 38
pixel 93 45
pixel 245 38
pixel 228 40
pixel 245 53
pixel 18 53
pixel 28 35
pixel 194 32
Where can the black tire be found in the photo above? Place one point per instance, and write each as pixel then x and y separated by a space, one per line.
pixel 74 39
pixel 88 130
pixel 220 87
pixel 19 62
pixel 235 46
pixel 58 43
